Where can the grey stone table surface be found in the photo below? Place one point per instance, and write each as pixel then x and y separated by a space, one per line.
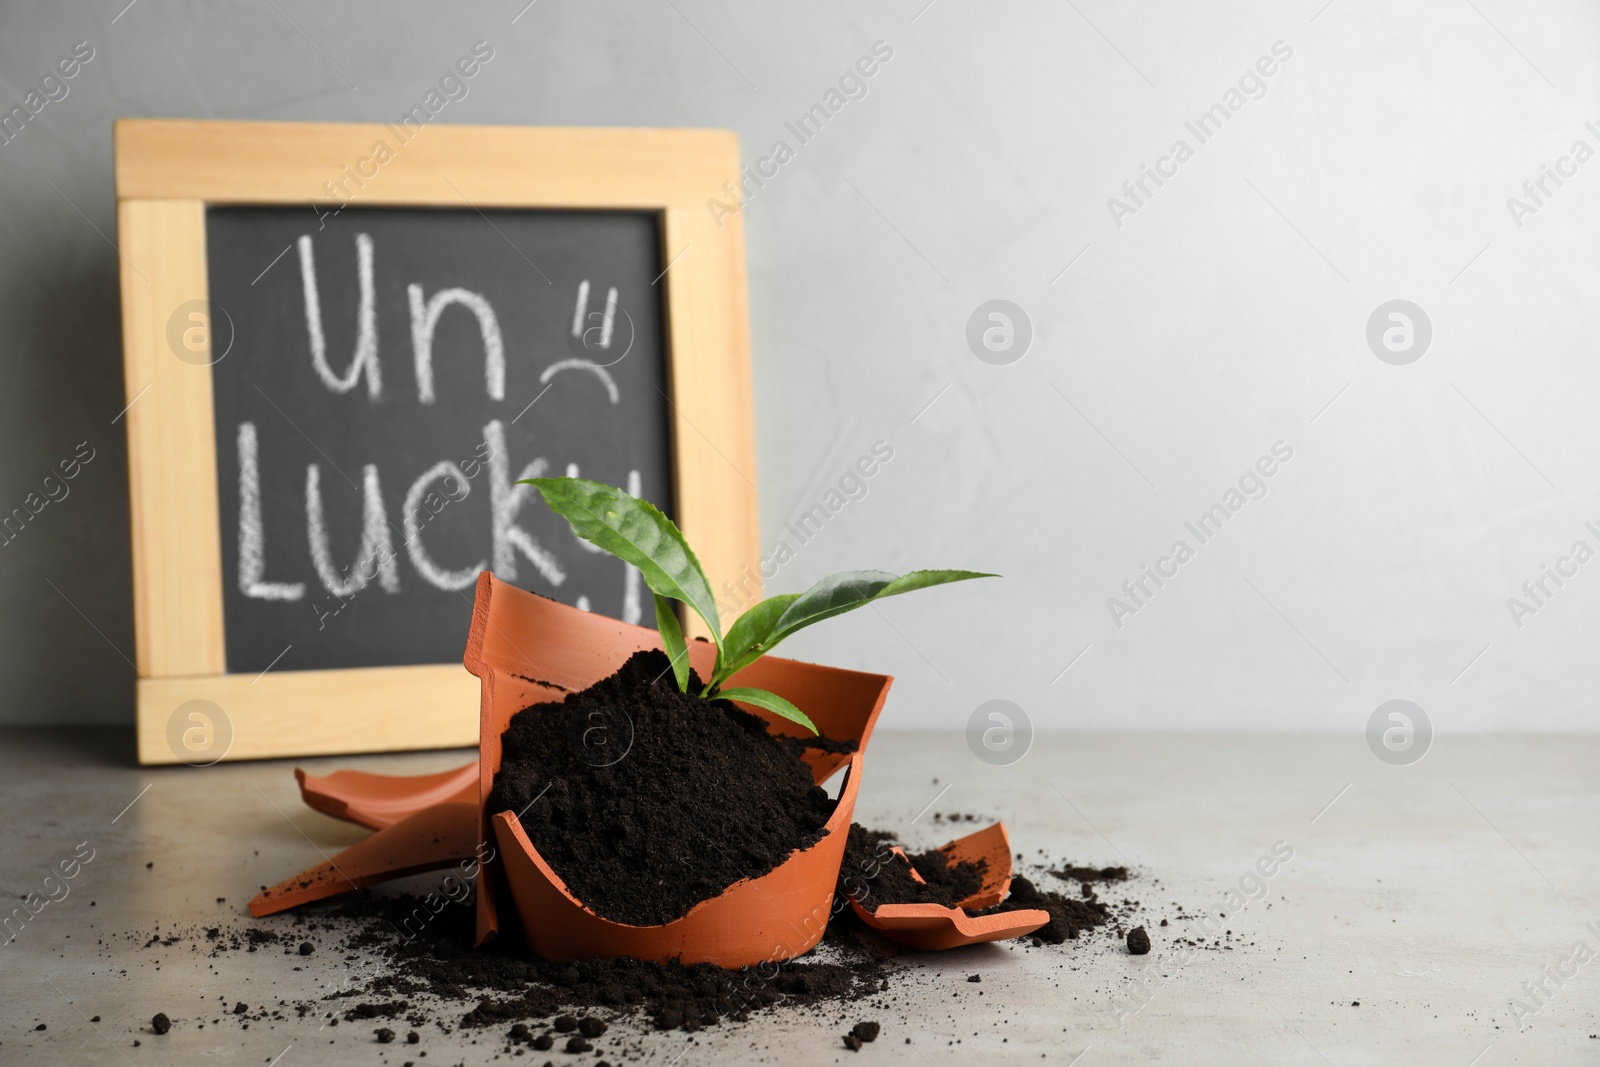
pixel 1446 912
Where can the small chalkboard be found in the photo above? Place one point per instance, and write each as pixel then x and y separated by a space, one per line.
pixel 390 377
pixel 341 360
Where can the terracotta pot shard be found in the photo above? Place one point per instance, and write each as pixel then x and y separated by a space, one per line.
pixel 527 649
pixel 379 800
pixel 936 927
pixel 440 835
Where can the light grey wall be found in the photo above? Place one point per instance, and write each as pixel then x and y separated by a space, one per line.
pixel 1227 312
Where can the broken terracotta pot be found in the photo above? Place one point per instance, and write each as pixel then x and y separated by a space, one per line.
pixel 437 836
pixel 527 649
pixel 934 926
pixel 379 800
pixel 424 822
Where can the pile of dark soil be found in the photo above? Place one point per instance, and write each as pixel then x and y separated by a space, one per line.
pixel 516 987
pixel 703 796
pixel 411 979
pixel 502 985
pixel 409 990
pixel 943 880
pixel 876 875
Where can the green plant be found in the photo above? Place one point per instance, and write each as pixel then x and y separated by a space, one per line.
pixel 636 532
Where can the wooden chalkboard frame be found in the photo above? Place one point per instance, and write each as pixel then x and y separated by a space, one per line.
pixel 169 171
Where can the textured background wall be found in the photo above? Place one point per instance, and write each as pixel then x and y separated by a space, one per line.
pixel 1175 339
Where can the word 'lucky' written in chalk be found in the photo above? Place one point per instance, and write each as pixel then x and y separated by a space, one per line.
pixel 443 486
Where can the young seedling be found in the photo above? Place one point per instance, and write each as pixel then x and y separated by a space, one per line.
pixel 636 532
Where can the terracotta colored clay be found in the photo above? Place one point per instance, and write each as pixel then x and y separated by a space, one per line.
pixel 379 800
pixel 441 835
pixel 991 845
pixel 934 926
pixel 527 649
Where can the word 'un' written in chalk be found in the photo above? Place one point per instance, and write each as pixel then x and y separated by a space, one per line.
pixel 443 485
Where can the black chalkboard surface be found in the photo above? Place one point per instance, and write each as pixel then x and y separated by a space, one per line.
pixel 385 376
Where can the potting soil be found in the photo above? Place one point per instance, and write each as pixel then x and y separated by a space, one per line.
pixel 647 800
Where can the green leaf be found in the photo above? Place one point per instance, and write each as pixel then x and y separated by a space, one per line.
pixel 672 640
pixel 635 532
pixel 761 698
pixel 746 637
pixel 848 590
pixel 915 580
pixel 833 595
pixel 757 631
